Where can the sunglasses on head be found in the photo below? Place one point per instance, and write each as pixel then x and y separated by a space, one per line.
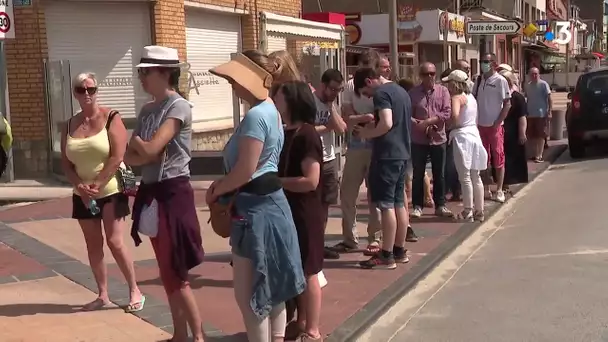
pixel 83 90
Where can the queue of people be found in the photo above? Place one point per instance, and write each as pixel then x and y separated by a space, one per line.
pixel 282 176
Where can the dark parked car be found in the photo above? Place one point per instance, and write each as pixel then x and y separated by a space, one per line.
pixel 587 113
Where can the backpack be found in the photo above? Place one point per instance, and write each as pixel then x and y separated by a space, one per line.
pixel 477 83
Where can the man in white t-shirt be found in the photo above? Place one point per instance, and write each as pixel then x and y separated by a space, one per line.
pixel 493 104
pixel 328 122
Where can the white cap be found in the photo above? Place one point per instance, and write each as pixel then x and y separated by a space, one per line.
pixel 456 75
pixel 505 67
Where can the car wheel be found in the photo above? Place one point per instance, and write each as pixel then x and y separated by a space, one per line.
pixel 576 148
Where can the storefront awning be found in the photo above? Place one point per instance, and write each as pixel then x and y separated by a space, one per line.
pixel 299 27
pixel 598 55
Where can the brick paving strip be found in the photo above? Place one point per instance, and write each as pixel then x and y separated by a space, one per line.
pixel 353 300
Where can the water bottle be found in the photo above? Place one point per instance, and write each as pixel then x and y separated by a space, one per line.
pixel 93 208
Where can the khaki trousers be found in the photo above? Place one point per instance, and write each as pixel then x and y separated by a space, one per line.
pixel 354 174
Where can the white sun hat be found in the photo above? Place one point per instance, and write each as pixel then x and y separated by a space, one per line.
pixel 456 75
pixel 154 56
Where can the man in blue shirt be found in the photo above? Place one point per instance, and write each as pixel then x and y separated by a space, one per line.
pixel 538 93
pixel 389 133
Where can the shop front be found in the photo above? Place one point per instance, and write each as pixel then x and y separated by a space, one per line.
pixel 433 35
pixel 211 95
pixel 56 40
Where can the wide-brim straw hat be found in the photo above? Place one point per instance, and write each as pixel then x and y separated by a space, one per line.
pixel 155 56
pixel 247 74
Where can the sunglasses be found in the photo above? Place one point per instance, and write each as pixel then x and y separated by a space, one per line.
pixel 485 62
pixel 83 90
pixel 431 73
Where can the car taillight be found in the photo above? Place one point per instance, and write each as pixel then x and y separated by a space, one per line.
pixel 576 103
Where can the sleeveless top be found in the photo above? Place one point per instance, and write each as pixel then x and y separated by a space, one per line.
pixel 89 156
pixel 466 141
pixel 468 113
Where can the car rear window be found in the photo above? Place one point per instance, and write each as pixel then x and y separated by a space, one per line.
pixel 595 83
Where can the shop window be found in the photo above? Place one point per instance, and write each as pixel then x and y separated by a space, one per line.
pixel 502 48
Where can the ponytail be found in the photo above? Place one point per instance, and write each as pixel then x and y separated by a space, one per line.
pixel 174 81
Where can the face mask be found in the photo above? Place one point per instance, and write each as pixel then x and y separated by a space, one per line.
pixel 485 67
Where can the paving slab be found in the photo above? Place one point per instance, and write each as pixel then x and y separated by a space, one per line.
pixel 48 310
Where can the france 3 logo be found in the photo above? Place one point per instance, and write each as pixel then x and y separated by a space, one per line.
pixel 557 32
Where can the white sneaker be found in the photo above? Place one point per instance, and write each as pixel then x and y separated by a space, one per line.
pixel 417 212
pixel 500 196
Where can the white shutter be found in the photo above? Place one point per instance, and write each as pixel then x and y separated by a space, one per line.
pixel 276 43
pixel 211 38
pixel 106 39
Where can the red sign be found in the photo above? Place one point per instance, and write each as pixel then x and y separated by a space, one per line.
pixel 5 22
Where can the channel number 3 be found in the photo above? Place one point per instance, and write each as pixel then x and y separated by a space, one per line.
pixel 563 35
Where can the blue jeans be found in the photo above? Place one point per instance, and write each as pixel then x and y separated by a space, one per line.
pixel 387 183
pixel 263 231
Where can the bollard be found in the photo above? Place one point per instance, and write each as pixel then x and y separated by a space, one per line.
pixel 558 122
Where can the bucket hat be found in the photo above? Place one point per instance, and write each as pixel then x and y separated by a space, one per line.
pixel 247 74
pixel 155 56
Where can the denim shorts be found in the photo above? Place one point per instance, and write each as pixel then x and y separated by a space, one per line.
pixel 387 183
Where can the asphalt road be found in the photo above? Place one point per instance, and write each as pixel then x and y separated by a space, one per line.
pixel 538 271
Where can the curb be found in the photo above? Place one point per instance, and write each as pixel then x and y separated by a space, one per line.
pixel 367 316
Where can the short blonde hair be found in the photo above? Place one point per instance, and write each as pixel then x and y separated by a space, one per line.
pixel 83 76
pixel 288 70
pixel 511 79
pixel 459 87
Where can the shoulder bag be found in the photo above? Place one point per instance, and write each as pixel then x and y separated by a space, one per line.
pixel 124 174
pixel 220 214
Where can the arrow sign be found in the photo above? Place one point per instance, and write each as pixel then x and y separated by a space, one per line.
pixel 493 27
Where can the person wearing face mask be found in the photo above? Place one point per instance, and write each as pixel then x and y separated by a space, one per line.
pixel 494 101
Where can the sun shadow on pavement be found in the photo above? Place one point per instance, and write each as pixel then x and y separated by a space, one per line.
pixel 17 310
pixel 196 282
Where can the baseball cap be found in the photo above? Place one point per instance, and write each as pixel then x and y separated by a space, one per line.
pixel 456 75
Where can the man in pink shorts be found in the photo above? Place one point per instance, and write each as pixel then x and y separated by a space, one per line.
pixel 493 103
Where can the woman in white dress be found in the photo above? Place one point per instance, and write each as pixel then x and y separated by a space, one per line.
pixel 470 157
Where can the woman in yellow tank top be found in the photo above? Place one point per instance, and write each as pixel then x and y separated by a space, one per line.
pixel 92 147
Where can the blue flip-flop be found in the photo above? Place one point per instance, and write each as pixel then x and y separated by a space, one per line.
pixel 137 306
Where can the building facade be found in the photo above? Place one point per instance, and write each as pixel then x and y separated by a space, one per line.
pixel 56 40
pixel 596 10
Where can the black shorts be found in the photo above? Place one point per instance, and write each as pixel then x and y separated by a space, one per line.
pixel 329 182
pixel 120 202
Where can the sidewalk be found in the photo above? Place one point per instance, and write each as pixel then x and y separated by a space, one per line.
pixel 37 304
pixel 352 300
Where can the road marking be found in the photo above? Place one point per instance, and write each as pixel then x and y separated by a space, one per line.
pixel 417 299
pixel 550 255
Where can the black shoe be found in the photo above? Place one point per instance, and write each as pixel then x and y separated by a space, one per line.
pixel 329 254
pixel 410 236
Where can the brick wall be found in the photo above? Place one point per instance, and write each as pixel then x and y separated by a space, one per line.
pixel 25 55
